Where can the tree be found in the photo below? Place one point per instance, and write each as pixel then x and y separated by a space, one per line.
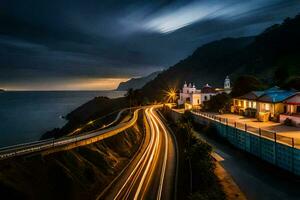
pixel 219 102
pixel 245 84
pixel 280 75
pixel 130 95
pixel 134 97
pixel 293 83
pixel 185 124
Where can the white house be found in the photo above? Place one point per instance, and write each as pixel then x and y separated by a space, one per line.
pixel 193 97
pixel 189 94
pixel 207 92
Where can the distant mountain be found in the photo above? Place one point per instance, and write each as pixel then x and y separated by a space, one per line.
pixel 137 83
pixel 273 56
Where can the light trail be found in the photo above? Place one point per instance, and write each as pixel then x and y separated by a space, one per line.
pixel 165 158
pixel 78 140
pixel 141 162
pixel 156 133
pixel 148 174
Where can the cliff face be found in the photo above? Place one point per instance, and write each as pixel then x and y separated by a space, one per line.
pixel 80 173
pixel 91 110
pixel 137 83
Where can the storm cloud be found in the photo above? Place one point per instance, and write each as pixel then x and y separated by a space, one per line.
pixel 59 41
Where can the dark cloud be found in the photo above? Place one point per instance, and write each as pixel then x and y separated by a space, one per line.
pixel 71 39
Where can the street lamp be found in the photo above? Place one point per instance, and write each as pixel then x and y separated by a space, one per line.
pixel 171 94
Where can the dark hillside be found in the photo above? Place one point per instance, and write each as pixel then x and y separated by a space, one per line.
pixel 137 83
pixel 79 173
pixel 277 48
pixel 91 110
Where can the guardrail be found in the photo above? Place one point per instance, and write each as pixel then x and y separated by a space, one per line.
pixel 21 149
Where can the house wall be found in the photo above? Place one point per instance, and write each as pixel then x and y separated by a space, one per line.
pixel 183 97
pixel 294 99
pixel 196 99
pixel 242 103
pixel 279 108
pixel 207 96
pixel 292 108
pixel 189 90
pixel 274 109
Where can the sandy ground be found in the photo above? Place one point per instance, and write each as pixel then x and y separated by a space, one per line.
pixel 230 188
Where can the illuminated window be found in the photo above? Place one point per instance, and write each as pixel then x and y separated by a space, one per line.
pixel 253 104
pixel 267 107
pixel 236 102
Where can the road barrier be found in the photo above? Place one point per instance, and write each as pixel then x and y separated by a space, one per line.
pixel 279 150
pixel 66 142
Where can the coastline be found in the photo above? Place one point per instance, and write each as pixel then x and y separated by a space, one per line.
pixel 27 115
pixel 89 111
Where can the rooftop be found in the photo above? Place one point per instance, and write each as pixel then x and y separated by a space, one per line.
pixel 208 89
pixel 271 95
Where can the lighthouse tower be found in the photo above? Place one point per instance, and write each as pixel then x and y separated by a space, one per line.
pixel 227 87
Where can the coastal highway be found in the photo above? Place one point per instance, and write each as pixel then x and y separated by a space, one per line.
pixel 74 140
pixel 151 174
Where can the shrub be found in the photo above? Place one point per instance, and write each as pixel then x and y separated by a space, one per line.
pixel 288 122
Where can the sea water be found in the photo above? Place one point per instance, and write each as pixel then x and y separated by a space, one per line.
pixel 25 116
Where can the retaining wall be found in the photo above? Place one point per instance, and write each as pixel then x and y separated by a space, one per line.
pixel 282 155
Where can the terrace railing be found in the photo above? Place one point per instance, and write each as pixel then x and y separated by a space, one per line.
pixel 263 133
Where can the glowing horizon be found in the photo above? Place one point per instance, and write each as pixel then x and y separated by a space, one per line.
pixel 63 85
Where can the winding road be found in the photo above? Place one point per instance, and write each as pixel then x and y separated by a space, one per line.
pixel 70 141
pixel 151 173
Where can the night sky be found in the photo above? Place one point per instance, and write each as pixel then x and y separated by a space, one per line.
pixel 89 44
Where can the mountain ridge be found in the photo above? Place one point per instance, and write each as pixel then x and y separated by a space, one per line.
pixel 278 47
pixel 137 83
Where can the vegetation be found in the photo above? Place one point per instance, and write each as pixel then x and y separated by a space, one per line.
pixel 94 109
pixel 293 83
pixel 79 173
pixel 246 83
pixel 288 122
pixel 201 182
pixel 218 103
pixel 273 57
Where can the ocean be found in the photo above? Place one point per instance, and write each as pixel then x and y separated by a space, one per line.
pixel 25 116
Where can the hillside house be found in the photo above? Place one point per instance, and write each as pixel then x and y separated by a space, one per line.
pixel 291 110
pixel 265 105
pixel 193 98
pixel 190 95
